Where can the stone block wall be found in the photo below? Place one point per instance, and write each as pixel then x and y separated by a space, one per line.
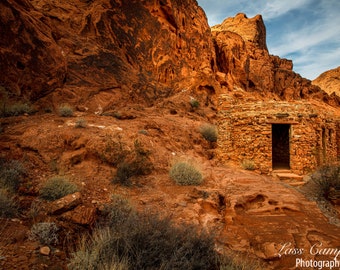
pixel 245 133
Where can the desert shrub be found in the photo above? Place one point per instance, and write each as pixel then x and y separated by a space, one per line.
pixel 248 165
pixel 81 123
pixel 35 209
pixel 147 241
pixel 114 151
pixel 65 110
pixel 209 132
pixel 136 163
pixel 8 207
pixel 56 188
pixel 12 109
pixel 91 252
pixel 118 210
pixel 194 103
pixel 143 131
pixel 184 173
pixel 11 174
pixel 17 109
pixel 326 179
pixel 45 233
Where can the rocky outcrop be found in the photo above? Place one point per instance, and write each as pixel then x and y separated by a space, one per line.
pixel 329 81
pixel 242 54
pixel 104 51
pixel 32 64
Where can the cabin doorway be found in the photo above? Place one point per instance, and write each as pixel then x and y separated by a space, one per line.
pixel 280 146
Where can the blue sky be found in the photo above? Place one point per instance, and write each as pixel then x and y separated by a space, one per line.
pixel 305 31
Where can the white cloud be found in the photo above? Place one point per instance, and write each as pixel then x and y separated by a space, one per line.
pixel 316 61
pixel 305 38
pixel 275 8
pixel 306 31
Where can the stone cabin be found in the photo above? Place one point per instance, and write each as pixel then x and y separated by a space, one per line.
pixel 298 136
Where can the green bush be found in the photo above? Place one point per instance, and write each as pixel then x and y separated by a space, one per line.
pixel 194 103
pixel 185 174
pixel 8 207
pixel 209 132
pixel 56 188
pixel 114 151
pixel 15 109
pixel 118 210
pixel 11 174
pixel 65 110
pixel 45 233
pixel 248 165
pixel 135 163
pixel 81 123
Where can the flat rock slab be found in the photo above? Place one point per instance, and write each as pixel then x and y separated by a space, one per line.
pixel 65 204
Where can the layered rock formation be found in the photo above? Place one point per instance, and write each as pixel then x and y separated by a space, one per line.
pixel 109 53
pixel 112 52
pixel 32 64
pixel 242 54
pixel 329 81
pixel 127 49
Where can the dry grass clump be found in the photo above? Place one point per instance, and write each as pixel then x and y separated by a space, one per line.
pixel 56 188
pixel 323 187
pixel 16 109
pixel 209 132
pixel 45 233
pixel 145 241
pixel 324 182
pixel 327 178
pixel 248 165
pixel 8 206
pixel 184 173
pixel 8 108
pixel 81 123
pixel 65 110
pixel 11 173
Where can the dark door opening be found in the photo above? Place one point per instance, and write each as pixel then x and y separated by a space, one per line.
pixel 280 146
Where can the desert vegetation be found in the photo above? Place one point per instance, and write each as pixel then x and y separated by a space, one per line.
pixel 132 164
pixel 13 108
pixel 185 173
pixel 65 110
pixel 326 181
pixel 8 205
pixel 324 188
pixel 45 233
pixel 81 123
pixel 248 164
pixel 194 103
pixel 11 174
pixel 56 188
pixel 139 240
pixel 209 132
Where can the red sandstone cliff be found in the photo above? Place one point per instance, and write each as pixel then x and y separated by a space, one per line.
pixel 110 53
pixel 126 49
pixel 107 52
pixel 242 54
pixel 329 81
